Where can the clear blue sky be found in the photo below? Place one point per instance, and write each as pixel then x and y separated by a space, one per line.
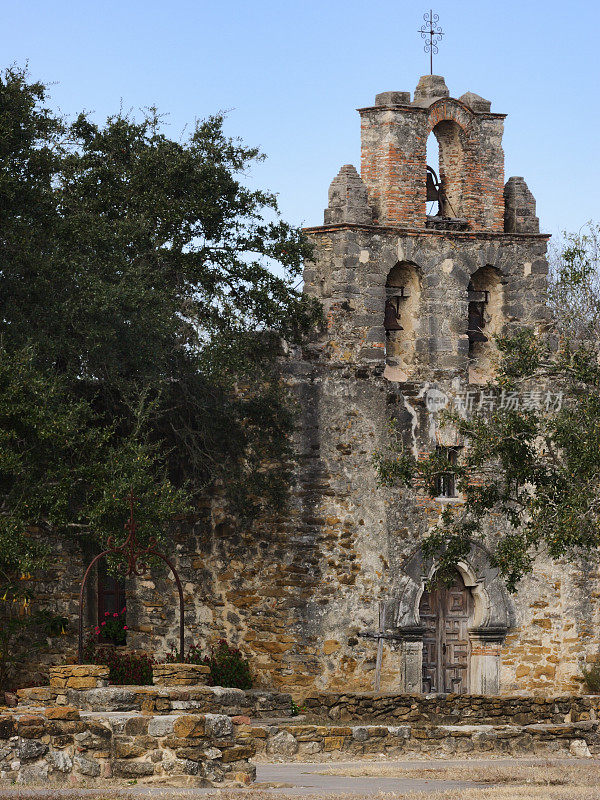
pixel 291 75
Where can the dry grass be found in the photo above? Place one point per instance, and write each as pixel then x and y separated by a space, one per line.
pixel 577 773
pixel 490 793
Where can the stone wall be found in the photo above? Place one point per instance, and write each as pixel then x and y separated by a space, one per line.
pixel 162 700
pixel 327 742
pixel 61 746
pixel 451 709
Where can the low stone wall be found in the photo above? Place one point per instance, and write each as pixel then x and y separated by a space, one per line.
pixel 163 700
pixel 450 709
pixel 79 676
pixel 180 674
pixel 62 746
pixel 326 742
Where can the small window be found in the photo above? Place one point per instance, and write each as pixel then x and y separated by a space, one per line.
pixel 446 481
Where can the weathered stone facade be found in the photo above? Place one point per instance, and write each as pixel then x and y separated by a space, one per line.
pixel 302 588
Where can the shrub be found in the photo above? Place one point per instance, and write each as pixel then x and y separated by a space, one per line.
pixel 125 669
pixel 228 667
pixel 591 678
pixel 113 629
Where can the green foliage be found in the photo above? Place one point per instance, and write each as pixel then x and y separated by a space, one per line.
pixel 529 475
pixel 397 464
pixel 296 710
pixel 140 326
pixel 574 286
pixel 591 678
pixel 228 667
pixel 125 669
pixel 113 627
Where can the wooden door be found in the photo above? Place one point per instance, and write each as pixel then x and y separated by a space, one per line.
pixel 445 613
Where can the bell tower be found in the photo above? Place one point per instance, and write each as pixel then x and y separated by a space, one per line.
pixel 417 269
pixel 418 296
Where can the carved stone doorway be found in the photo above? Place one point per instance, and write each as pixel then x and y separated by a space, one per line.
pixel 445 612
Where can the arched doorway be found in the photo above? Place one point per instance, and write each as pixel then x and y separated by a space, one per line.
pixel 445 612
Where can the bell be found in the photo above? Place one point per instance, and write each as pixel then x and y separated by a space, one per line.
pixel 390 320
pixel 432 185
pixel 476 323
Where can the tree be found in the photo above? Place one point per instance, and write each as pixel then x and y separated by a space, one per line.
pixel 530 476
pixel 140 324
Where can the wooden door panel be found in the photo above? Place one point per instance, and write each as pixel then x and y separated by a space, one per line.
pixel 428 614
pixel 444 613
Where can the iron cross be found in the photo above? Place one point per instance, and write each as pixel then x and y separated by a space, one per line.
pixel 432 31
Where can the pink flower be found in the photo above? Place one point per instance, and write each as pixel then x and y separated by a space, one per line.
pixel 123 610
pixel 104 623
pixel 124 627
pixel 106 613
pixel 115 614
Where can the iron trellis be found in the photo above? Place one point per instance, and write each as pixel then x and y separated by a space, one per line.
pixel 133 557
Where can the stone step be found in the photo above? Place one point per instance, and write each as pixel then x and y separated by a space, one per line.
pixel 163 700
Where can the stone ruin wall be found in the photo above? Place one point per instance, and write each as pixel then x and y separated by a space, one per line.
pixel 297 589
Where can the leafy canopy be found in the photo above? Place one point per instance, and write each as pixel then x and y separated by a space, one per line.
pixel 140 323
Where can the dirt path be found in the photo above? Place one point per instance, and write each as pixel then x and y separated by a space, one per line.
pixel 297 779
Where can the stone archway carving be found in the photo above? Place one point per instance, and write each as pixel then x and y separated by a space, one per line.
pixel 491 620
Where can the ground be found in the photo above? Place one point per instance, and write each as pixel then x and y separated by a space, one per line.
pixel 482 779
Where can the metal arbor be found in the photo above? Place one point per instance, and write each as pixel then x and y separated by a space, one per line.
pixel 132 556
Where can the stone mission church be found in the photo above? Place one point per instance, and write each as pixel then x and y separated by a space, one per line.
pixel 417 268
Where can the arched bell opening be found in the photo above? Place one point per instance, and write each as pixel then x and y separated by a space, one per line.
pixel 401 319
pixel 433 173
pixel 485 321
pixel 446 160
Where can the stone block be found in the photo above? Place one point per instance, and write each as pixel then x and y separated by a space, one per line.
pixel 132 769
pixel 190 726
pixel 86 766
pixel 136 726
pixel 161 726
pixel 33 774
pixel 78 676
pixel 60 761
pixel 333 743
pixel 282 744
pixel 181 674
pixel 7 727
pixel 218 725
pixel 132 746
pixel 31 749
pixel 61 713
pixel 392 99
pixel 109 698
pixel 237 753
